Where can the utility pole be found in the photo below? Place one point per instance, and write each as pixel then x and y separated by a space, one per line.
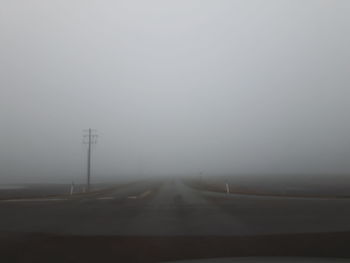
pixel 91 139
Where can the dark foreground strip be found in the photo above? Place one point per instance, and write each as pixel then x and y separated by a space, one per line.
pixel 50 248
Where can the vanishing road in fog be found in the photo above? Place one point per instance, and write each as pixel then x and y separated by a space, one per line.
pixel 171 207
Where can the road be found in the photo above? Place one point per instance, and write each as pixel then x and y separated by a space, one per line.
pixel 171 208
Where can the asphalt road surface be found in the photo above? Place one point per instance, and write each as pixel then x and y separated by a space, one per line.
pixel 172 208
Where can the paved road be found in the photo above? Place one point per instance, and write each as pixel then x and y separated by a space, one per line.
pixel 169 208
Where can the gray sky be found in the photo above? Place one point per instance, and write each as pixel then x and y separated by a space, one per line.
pixel 174 87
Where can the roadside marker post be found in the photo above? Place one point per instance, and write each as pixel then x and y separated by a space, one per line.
pixel 227 188
pixel 72 188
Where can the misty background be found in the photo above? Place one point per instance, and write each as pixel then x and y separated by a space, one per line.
pixel 174 87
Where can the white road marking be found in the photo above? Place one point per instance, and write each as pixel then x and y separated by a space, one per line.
pixel 105 198
pixel 35 200
pixel 144 194
pixel 140 196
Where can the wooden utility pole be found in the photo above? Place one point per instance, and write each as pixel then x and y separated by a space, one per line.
pixel 91 139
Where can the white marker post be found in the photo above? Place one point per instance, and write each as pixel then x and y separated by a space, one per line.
pixel 227 188
pixel 72 188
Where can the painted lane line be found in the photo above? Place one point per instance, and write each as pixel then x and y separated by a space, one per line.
pixel 145 194
pixel 140 196
pixel 34 200
pixel 105 198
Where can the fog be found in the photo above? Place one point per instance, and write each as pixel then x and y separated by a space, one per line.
pixel 174 87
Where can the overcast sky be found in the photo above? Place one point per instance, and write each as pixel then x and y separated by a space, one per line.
pixel 176 86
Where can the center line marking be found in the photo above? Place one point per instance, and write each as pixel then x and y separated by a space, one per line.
pixel 140 196
pixel 105 198
pixel 144 194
